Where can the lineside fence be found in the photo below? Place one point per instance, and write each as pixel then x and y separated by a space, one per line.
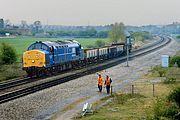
pixel 144 87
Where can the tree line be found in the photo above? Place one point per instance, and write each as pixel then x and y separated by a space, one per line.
pixel 88 33
pixel 116 34
pixel 142 36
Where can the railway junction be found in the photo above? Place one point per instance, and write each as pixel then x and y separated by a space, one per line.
pixel 49 102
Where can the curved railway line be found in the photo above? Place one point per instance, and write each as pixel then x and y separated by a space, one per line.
pixel 20 81
pixel 73 74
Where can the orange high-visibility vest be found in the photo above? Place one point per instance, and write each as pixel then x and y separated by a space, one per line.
pixel 108 81
pixel 100 80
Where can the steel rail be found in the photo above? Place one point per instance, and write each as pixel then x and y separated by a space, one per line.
pixel 26 80
pixel 25 91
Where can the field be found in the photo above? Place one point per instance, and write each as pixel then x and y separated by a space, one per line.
pixel 21 43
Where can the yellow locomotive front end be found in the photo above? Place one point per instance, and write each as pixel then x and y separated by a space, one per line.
pixel 33 58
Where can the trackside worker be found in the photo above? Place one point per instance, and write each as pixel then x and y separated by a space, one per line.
pixel 100 82
pixel 108 83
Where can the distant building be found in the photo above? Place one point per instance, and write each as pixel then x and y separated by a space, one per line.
pixel 1 23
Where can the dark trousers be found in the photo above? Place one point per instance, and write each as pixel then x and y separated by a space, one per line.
pixel 108 89
pixel 100 88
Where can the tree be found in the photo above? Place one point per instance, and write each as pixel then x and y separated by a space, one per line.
pixel 37 27
pixel 100 43
pixel 175 96
pixel 117 33
pixel 142 36
pixel 7 23
pixel 1 23
pixel 91 32
pixel 8 54
pixel 102 34
pixel 24 24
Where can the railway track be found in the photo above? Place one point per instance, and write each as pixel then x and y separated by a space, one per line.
pixel 79 73
pixel 26 80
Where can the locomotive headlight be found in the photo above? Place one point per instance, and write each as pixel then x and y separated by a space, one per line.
pixel 33 61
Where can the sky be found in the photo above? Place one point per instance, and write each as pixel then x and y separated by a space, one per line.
pixel 91 12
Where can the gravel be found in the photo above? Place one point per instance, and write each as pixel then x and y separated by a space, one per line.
pixel 43 104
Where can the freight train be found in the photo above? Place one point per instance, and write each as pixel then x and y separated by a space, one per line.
pixel 44 58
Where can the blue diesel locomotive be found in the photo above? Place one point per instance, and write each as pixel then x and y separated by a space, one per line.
pixel 51 56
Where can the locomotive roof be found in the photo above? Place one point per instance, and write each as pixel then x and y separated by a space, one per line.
pixel 66 43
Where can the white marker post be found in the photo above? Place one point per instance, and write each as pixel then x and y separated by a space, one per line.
pixel 165 60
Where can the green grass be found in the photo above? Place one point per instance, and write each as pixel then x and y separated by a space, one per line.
pixel 22 43
pixel 11 71
pixel 128 107
pixel 142 105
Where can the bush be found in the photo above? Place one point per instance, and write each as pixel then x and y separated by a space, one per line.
pixel 170 80
pixel 8 54
pixel 175 60
pixel 160 70
pixel 164 109
pixel 171 111
pixel 174 96
pixel 168 107
pixel 158 108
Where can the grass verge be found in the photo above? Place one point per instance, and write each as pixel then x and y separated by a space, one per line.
pixel 11 71
pixel 141 105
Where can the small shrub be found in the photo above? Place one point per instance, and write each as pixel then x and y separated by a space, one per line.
pixel 168 107
pixel 170 111
pixel 174 96
pixel 164 109
pixel 160 70
pixel 170 80
pixel 175 60
pixel 158 108
pixel 8 54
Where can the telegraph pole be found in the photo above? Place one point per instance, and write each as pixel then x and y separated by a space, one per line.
pixel 127 47
pixel 127 55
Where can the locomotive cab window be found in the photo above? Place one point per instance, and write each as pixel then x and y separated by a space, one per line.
pixel 38 46
pixel 31 47
pixel 73 50
pixel 44 47
pixel 77 51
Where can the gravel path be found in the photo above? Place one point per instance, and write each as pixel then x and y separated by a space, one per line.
pixel 43 104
